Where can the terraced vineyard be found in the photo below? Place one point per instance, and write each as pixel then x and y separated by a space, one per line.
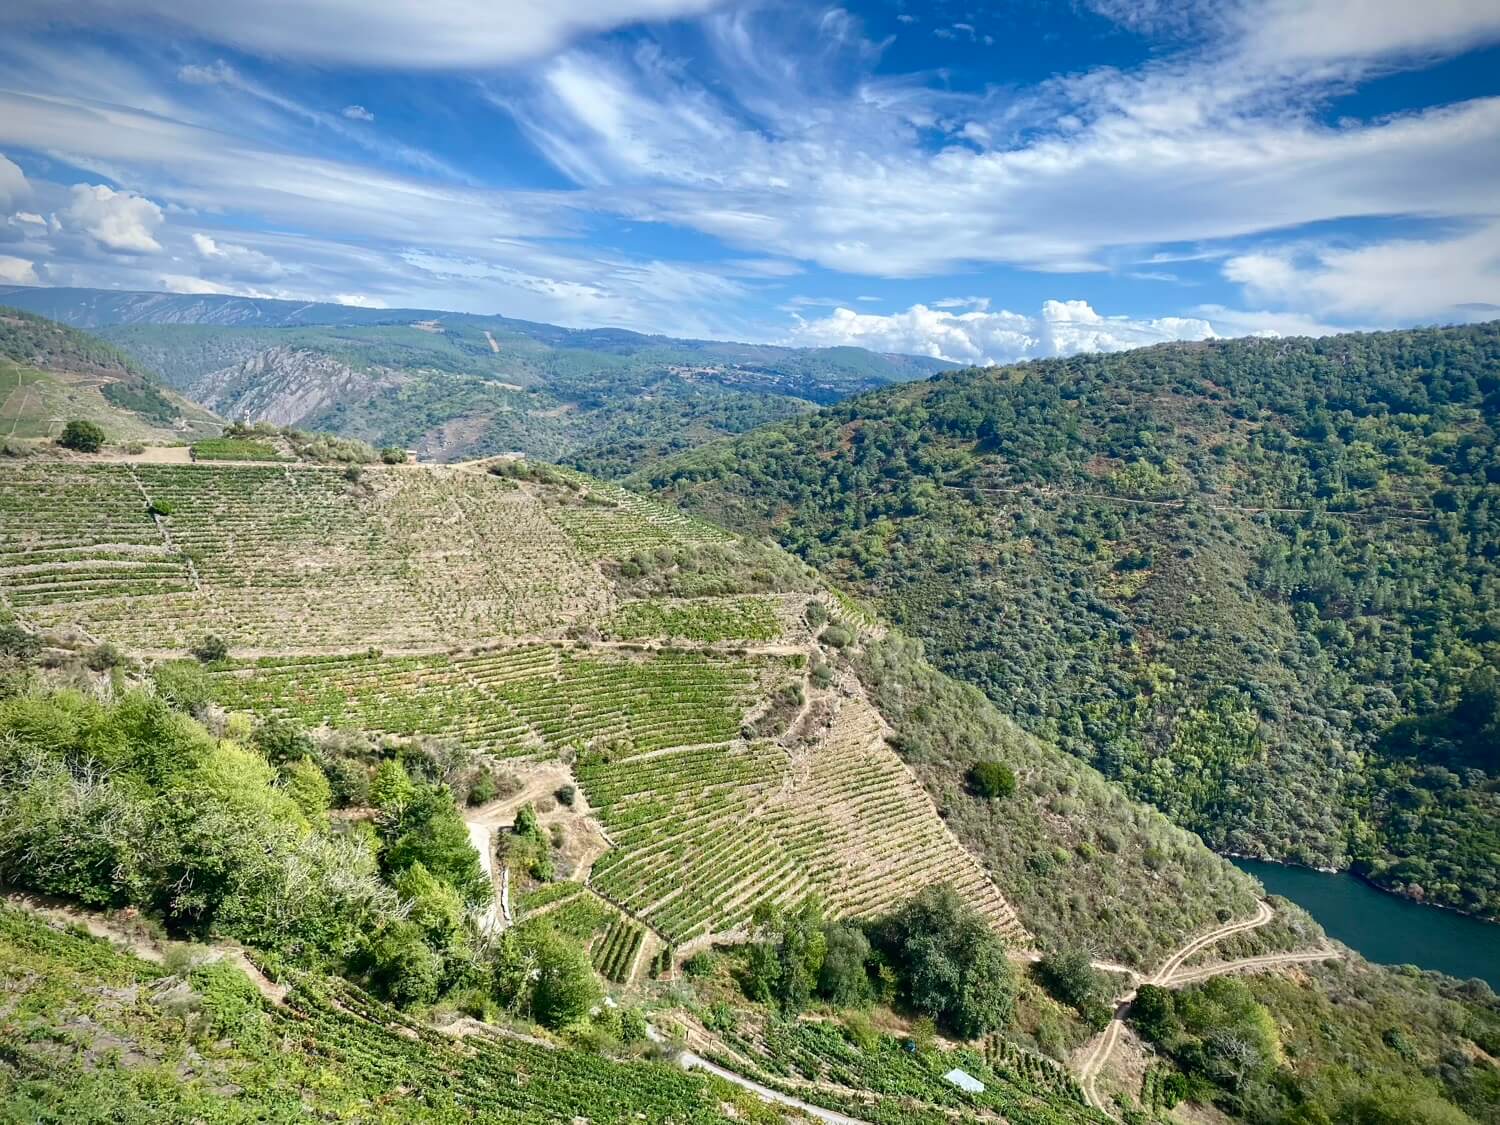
pixel 510 701
pixel 705 620
pixel 92 1038
pixel 296 559
pixel 703 836
pixel 446 603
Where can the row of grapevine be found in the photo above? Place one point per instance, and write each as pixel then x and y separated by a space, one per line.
pixel 510 700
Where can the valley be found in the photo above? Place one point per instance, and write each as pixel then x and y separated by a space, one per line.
pixel 497 767
pixel 1251 581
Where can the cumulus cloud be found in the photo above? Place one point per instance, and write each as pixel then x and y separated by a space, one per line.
pixel 438 33
pixel 1444 278
pixel 358 113
pixel 17 271
pixel 230 260
pixel 120 221
pixel 981 337
pixel 359 300
pixel 12 183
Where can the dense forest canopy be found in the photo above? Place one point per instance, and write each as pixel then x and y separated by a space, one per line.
pixel 1254 580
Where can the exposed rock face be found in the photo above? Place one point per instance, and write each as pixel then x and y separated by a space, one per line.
pixel 287 385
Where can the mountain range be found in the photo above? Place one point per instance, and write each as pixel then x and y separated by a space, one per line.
pixel 457 385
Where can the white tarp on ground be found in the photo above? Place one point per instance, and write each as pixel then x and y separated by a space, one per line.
pixel 965 1081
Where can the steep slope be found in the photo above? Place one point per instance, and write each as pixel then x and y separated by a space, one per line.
pixel 1256 580
pixel 493 605
pixel 51 374
pixel 459 386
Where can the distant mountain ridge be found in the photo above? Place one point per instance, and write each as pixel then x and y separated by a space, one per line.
pixel 457 385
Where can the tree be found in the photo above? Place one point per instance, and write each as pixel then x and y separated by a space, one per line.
pixel 786 954
pixel 991 779
pixel 844 978
pixel 82 436
pixel 565 987
pixel 950 964
pixel 1069 975
pixel 428 830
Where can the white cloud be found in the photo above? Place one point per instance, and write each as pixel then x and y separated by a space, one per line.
pixel 981 337
pixel 117 220
pixel 217 73
pixel 1399 280
pixel 358 113
pixel 359 300
pixel 776 156
pixel 231 260
pixel 31 218
pixel 17 271
pixel 364 33
pixel 1300 30
pixel 12 183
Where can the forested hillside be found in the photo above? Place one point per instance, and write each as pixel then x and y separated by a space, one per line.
pixel 456 385
pixel 1254 580
pixel 50 374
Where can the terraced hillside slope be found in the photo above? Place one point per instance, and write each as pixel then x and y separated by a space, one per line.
pixel 51 375
pixel 1256 581
pixel 534 616
pixel 457 385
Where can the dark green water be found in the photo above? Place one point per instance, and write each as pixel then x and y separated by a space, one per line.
pixel 1384 928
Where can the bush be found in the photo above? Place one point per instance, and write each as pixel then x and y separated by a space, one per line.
pixel 211 649
pixel 991 779
pixel 836 636
pixel 565 795
pixel 951 966
pixel 81 436
pixel 393 455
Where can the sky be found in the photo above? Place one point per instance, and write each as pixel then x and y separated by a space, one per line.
pixel 981 182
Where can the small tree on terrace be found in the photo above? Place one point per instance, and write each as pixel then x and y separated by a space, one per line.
pixel 82 436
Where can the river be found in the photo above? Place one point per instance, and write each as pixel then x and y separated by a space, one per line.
pixel 1384 927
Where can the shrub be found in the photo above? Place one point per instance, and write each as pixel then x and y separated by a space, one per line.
pixel 82 436
pixel 991 779
pixel 952 967
pixel 836 636
pixel 565 795
pixel 211 649
pixel 393 455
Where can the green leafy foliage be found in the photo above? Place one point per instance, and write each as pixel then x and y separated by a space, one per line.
pixel 82 436
pixel 950 964
pixel 1223 573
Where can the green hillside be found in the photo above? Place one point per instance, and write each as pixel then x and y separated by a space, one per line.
pixel 459 386
pixel 455 752
pixel 51 374
pixel 1256 581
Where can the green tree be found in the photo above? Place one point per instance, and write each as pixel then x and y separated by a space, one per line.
pixel 786 954
pixel 565 986
pixel 951 965
pixel 82 436
pixel 992 779
pixel 844 978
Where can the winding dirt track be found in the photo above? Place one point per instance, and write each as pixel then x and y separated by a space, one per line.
pixel 1171 974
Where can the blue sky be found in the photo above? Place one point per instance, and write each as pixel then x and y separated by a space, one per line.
pixel 979 181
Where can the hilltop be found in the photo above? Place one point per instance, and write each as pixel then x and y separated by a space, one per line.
pixel 456 385
pixel 51 374
pixel 1255 581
